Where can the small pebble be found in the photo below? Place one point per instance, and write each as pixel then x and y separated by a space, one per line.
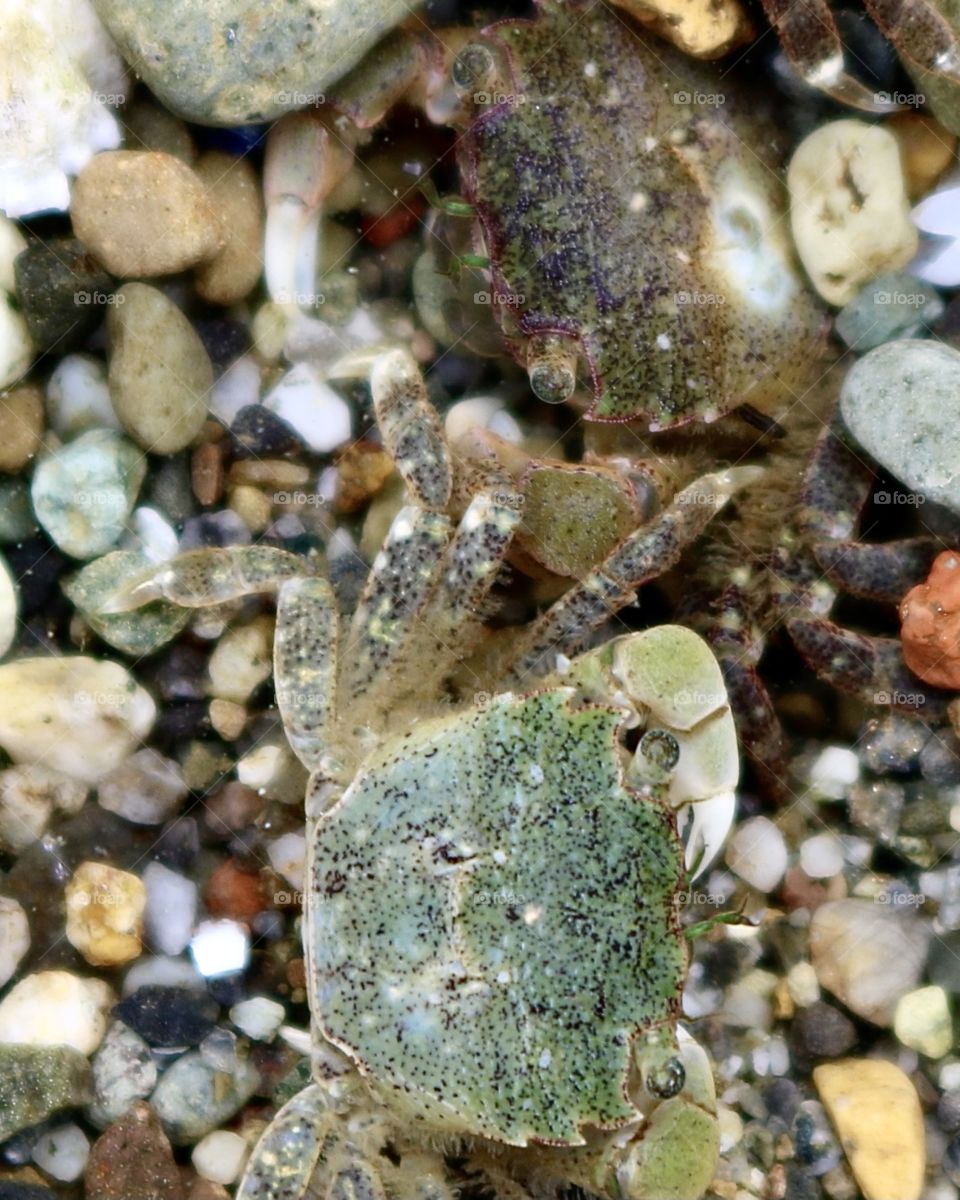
pixel 319 416
pixel 922 1021
pixel 133 1160
pixel 149 126
pixel 84 492
pixel 288 857
pixel 220 1156
pixel 220 947
pixel 78 715
pixel 822 1031
pixel 206 473
pixel 168 1016
pixel 192 1098
pixel 233 891
pixel 242 660
pixel 877 1115
pixel 926 148
pixel 833 772
pixel 62 1152
pixel 14 937
pixel 9 607
pixel 105 914
pixel 849 211
pixel 63 292
pixel 16 345
pixel 22 410
pixel 171 911
pixel 930 624
pixel 123 1071
pixel 160 373
pixel 36 1081
pixel 802 984
pixel 143 213
pixel 78 397
pixel 252 506
pixel 56 1008
pixel 259 1017
pixel 868 955
pixel 233 188
pixel 228 719
pixel 237 388
pixel 892 306
pixel 162 972
pixel 146 789
pixel 821 856
pixel 757 852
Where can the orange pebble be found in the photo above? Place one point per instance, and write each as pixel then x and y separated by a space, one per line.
pixel 930 624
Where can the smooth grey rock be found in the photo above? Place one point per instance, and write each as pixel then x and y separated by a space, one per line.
pixel 192 1098
pixel 895 305
pixel 902 404
pixel 123 1072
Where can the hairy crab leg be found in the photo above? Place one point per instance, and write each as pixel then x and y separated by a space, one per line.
pixel 565 627
pixel 285 1158
pixel 304 666
pixel 920 33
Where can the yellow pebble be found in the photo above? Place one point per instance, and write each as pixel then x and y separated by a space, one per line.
pixel 105 914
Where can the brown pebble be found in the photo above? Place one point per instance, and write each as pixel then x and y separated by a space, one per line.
pixel 231 808
pixel 132 1160
pixel 149 126
pixel 234 191
pixel 206 473
pixel 274 471
pixel 926 149
pixel 143 213
pixel 234 891
pixel 297 973
pixel 362 470
pixel 21 418
pixel 228 718
pixel 800 891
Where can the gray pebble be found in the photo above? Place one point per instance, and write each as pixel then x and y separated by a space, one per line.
pixel 192 1098
pixel 123 1072
pixel 892 306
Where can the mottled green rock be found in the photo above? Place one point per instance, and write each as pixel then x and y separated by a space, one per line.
pixel 62 290
pixel 36 1081
pixel 229 61
pixel 84 492
pixel 192 1098
pixel 893 306
pixel 902 404
pixel 135 633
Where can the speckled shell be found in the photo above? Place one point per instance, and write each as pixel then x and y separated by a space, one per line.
pixel 493 917
pixel 630 200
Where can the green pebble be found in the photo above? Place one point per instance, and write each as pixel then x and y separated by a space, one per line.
pixel 62 290
pixel 36 1081
pixel 192 1098
pixel 17 521
pixel 892 306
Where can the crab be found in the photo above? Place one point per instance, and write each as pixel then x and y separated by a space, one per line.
pixel 629 211
pixel 492 930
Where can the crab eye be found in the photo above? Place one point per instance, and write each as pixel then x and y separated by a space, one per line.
pixel 667 1079
pixel 473 68
pixel 660 750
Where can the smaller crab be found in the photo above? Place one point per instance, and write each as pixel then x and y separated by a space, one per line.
pixel 492 929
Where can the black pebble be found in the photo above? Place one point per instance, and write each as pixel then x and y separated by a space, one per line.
pixel 224 340
pixel 821 1031
pixel 782 1098
pixel 24 1191
pixel 62 290
pixel 228 989
pixel 257 432
pixel 169 1016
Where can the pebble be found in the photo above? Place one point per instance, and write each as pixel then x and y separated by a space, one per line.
pixel 893 744
pixel 834 770
pixel 757 852
pixel 288 857
pixel 234 191
pixel 228 719
pixel 169 1016
pixel 143 213
pixel 868 955
pixel 822 1031
pixel 269 57
pixel 148 126
pixel 137 633
pixel 56 1008
pixel 9 607
pixel 849 211
pixel 63 292
pixel 237 388
pixel 62 1152
pixel 310 406
pixel 83 493
pixel 16 345
pixel 17 522
pixel 160 373
pixel 206 473
pixel 133 1160
pixel 78 397
pixel 23 418
pixel 876 1112
pixel 892 306
pixel 902 404
pixel 242 660
pixel 123 1071
pixel 922 1021
pixel 930 624
pixel 821 856
pixel 171 908
pixel 192 1098
pixel 220 1156
pixel 802 984
pixel 926 148
pixel 233 891
pixel 259 1017
pixel 36 1081
pixel 78 715
pixel 14 937
pixel 146 789
pixel 28 796
pixel 253 506
pixel 220 947
pixel 164 972
pixel 105 909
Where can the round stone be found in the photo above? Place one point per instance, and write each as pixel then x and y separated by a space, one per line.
pixel 242 660
pixel 757 852
pixel 259 1017
pixel 56 1008
pixel 105 914
pixel 220 1156
pixel 821 856
pixel 62 1152
pixel 234 191
pixel 902 404
pixel 78 397
pixel 146 789
pixel 922 1021
pixel 193 1097
pixel 143 213
pixel 123 1071
pixel 22 409
pixel 62 291
pixel 160 373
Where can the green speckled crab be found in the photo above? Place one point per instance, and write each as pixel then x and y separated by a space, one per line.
pixel 492 928
pixel 628 200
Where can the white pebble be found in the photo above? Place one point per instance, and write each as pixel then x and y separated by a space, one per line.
pixel 9 607
pixel 62 1152
pixel 171 908
pixel 237 387
pixel 241 661
pixel 154 536
pixel 220 947
pixel 834 770
pixel 162 972
pixel 146 789
pixel 758 853
pixel 16 348
pixel 258 1017
pixel 56 1008
pixel 78 397
pixel 821 857
pixel 220 1156
pixel 320 417
pixel 14 937
pixel 288 856
pixel 802 984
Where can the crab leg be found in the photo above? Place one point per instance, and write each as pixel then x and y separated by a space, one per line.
pixel 285 1158
pixel 566 626
pixel 304 666
pixel 920 33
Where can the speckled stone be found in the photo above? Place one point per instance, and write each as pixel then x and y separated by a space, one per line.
pixel 84 492
pixel 123 1071
pixel 235 196
pixel 105 909
pixel 36 1081
pixel 169 1016
pixel 132 1160
pixel 21 417
pixel 63 291
pixel 235 61
pixel 192 1098
pixel 53 1008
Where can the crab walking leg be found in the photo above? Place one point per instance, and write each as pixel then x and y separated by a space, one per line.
pixel 411 428
pixel 304 667
pixel 565 627
pixel 920 33
pixel 285 1158
pixel 399 586
pixel 204 578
